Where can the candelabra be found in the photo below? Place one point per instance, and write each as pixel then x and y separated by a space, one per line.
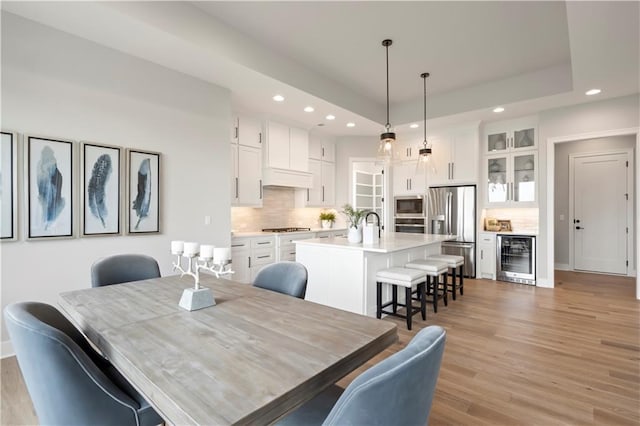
pixel 199 297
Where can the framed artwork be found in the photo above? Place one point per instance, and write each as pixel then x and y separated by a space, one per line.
pixel 49 183
pixel 101 187
pixel 143 189
pixel 9 186
pixel 505 225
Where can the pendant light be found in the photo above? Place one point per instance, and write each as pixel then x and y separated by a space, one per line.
pixel 388 137
pixel 425 152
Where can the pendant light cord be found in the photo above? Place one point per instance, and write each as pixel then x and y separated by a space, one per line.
pixel 388 124
pixel 424 78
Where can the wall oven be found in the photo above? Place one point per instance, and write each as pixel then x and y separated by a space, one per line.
pixel 516 258
pixel 412 225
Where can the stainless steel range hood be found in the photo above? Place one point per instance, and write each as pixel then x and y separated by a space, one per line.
pixel 272 176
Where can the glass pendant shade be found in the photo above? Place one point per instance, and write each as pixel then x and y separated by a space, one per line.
pixel 387 138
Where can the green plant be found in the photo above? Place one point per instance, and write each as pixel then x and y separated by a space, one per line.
pixel 354 216
pixel 328 216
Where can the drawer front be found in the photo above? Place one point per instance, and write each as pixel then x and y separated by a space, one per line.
pixel 240 243
pixel 337 234
pixel 325 234
pixel 263 242
pixel 487 238
pixel 289 239
pixel 288 253
pixel 262 256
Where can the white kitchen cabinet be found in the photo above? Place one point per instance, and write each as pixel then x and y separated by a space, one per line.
pixel 511 179
pixel 511 135
pixel 298 149
pixel 246 182
pixel 410 150
pixel 248 131
pixel 286 247
pixel 322 149
pixel 407 180
pixel 250 254
pixel 487 253
pixel 286 147
pixel 322 192
pixel 454 157
pixel 277 145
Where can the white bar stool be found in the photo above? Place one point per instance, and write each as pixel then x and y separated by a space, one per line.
pixel 453 262
pixel 433 269
pixel 407 278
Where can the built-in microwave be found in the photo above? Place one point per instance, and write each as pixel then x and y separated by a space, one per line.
pixel 410 206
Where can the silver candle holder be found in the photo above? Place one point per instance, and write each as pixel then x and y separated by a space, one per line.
pixel 199 297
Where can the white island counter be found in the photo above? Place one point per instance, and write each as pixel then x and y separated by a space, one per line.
pixel 343 275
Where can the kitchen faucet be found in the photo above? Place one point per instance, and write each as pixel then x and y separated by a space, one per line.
pixel 377 217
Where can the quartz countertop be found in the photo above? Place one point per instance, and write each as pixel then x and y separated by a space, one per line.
pixel 390 242
pixel 266 234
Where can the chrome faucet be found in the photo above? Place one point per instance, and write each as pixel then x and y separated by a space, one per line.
pixel 377 217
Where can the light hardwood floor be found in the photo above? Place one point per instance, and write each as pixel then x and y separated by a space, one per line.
pixel 515 355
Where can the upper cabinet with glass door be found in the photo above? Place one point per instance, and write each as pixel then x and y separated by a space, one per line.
pixel 511 136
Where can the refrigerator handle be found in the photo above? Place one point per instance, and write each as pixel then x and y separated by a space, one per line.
pixel 449 197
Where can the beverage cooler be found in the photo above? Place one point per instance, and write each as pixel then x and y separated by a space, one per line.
pixel 516 258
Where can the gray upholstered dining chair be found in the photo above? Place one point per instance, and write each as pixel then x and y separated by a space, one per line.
pixel 396 391
pixel 68 381
pixel 123 268
pixel 284 277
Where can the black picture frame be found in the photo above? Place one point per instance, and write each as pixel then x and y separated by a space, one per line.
pixel 101 201
pixel 143 192
pixel 9 184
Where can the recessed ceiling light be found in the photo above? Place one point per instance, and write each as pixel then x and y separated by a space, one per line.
pixel 592 92
pixel 351 124
pixel 414 125
pixel 278 98
pixel 308 109
pixel 330 117
pixel 498 109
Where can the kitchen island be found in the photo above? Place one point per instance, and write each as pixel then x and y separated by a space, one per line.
pixel 343 274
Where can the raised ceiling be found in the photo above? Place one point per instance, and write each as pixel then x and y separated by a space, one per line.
pixel 525 56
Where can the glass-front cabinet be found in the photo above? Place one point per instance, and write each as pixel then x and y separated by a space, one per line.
pixel 511 179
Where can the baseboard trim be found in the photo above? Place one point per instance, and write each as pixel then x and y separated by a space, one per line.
pixel 544 282
pixel 6 349
pixel 562 267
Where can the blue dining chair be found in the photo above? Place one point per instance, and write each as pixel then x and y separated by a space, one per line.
pixel 396 391
pixel 68 381
pixel 123 268
pixel 284 277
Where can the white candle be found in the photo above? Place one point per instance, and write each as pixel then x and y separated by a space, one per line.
pixel 221 255
pixel 177 247
pixel 206 252
pixel 191 249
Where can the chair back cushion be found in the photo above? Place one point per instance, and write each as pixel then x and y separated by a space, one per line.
pixel 123 268
pixel 57 363
pixel 284 277
pixel 397 391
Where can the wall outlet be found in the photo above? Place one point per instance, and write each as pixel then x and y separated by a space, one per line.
pixel 207 220
pixel 561 217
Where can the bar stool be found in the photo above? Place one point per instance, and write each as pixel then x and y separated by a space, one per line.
pixel 407 278
pixel 433 269
pixel 453 262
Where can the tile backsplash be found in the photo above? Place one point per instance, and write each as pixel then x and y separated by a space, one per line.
pixel 522 220
pixel 278 210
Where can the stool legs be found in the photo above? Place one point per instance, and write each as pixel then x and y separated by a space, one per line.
pixel 445 297
pixel 453 283
pixel 378 300
pixel 461 280
pixel 395 298
pixel 423 300
pixel 407 295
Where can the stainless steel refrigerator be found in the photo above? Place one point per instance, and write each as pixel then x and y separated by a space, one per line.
pixel 452 210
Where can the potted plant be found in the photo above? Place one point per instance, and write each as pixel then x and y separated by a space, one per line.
pixel 354 221
pixel 327 218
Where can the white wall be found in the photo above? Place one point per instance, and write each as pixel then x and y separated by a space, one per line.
pixel 55 84
pixel 561 186
pixel 606 115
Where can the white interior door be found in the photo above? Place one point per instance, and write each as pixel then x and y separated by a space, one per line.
pixel 600 213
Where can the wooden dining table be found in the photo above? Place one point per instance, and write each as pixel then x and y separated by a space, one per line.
pixel 249 359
